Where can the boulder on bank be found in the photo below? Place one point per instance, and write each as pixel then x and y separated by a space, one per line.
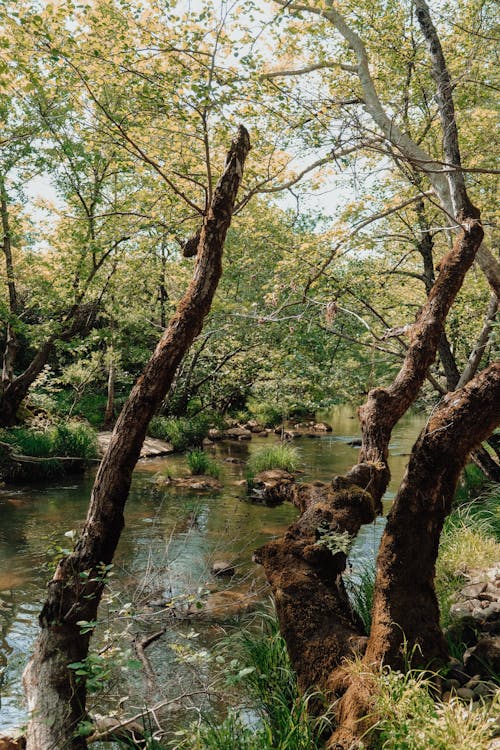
pixel 476 615
pixel 254 426
pixel 214 434
pixel 150 448
pixel 322 427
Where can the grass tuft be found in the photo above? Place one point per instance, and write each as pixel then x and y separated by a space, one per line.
pixel 360 587
pixel 200 463
pixel 275 457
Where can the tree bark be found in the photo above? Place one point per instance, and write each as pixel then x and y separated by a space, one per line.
pixel 78 320
pixel 11 342
pixel 303 568
pixel 55 699
pixel 405 620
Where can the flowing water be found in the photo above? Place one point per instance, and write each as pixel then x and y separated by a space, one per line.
pixel 161 577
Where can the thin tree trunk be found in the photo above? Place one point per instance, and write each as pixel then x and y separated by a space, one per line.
pixel 57 700
pixel 109 413
pixel 11 342
pixel 481 343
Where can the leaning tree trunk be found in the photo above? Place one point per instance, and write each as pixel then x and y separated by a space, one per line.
pixel 298 566
pixel 405 617
pixel 303 567
pixel 78 321
pixel 56 699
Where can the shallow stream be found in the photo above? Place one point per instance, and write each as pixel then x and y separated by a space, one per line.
pixel 162 569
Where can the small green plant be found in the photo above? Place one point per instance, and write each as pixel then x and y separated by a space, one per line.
pixel 200 463
pixel 95 670
pixel 182 432
pixel 282 456
pixel 360 587
pixel 335 541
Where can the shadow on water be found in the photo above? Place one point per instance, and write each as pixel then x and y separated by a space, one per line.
pixel 162 573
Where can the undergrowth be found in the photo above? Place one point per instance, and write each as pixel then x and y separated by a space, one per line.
pixel 412 720
pixel 181 432
pixel 470 539
pixel 70 439
pixel 274 715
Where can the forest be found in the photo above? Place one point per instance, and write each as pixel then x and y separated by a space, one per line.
pixel 250 390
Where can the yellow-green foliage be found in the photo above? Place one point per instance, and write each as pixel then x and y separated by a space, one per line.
pixel 411 720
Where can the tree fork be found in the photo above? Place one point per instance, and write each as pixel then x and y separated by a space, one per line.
pixel 305 575
pixel 57 701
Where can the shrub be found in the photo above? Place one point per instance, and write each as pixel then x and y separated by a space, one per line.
pixel 181 432
pixel 200 463
pixel 76 439
pixel 275 457
pixel 266 413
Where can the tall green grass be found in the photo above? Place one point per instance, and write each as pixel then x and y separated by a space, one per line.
pixel 70 439
pixel 181 432
pixel 200 463
pixel 276 713
pixel 360 588
pixel 282 456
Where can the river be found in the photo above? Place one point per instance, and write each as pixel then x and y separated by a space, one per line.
pixel 162 569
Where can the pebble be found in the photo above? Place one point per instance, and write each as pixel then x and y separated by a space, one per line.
pixel 466 694
pixel 473 682
pixel 482 690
